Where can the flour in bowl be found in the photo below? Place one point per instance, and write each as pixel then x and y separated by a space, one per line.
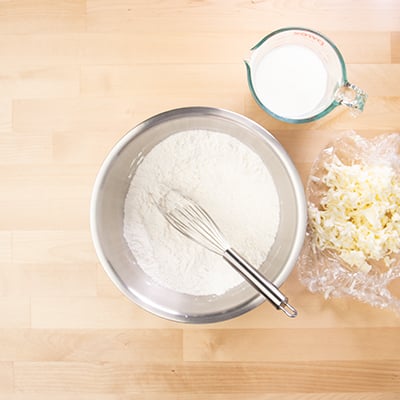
pixel 225 177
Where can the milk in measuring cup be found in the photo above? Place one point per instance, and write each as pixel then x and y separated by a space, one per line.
pixel 291 81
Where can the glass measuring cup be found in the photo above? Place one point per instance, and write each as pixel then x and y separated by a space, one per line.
pixel 298 75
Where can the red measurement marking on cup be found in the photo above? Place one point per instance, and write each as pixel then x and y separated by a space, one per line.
pixel 309 35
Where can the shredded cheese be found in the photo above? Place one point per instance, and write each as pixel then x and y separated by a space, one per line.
pixel 359 215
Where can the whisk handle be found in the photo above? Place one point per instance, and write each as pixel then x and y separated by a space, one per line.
pixel 259 282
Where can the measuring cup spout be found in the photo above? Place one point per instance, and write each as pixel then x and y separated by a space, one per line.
pixel 247 59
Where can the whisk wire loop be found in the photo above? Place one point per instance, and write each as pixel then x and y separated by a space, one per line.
pixel 193 222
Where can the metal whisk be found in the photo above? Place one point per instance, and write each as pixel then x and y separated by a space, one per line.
pixel 190 219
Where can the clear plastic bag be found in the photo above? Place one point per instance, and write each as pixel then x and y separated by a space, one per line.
pixel 323 270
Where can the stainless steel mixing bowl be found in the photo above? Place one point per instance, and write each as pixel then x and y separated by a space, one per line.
pixel 107 214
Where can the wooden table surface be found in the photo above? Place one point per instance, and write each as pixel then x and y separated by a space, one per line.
pixel 75 76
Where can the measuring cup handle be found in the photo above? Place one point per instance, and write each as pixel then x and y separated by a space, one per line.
pixel 352 97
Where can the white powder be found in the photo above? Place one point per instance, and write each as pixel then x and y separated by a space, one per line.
pixel 229 181
pixel 291 81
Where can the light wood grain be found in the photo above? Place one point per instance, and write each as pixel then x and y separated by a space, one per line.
pixel 222 378
pixel 5 115
pixel 48 279
pixel 201 396
pixel 99 346
pixel 291 344
pixel 15 312
pixel 75 76
pixel 26 17
pixel 395 50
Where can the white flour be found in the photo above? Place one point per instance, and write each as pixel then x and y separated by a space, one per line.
pixel 229 181
pixel 291 81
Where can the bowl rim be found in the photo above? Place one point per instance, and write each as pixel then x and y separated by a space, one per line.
pixel 176 113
